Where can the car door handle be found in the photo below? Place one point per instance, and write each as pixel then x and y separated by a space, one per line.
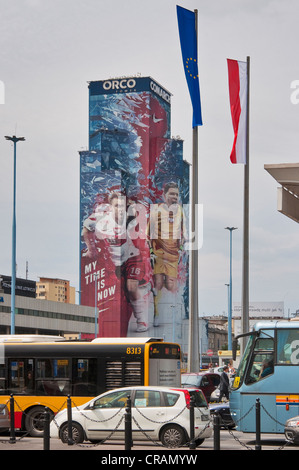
pixel 160 413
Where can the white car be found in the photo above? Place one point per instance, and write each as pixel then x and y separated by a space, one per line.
pixel 158 413
pixel 218 370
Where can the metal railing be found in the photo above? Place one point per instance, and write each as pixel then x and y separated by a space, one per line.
pixel 128 418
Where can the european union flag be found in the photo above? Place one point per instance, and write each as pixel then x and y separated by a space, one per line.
pixel 188 38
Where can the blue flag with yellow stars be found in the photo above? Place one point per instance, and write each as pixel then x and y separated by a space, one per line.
pixel 188 39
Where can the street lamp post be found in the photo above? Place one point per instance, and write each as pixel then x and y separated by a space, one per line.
pixel 96 305
pixel 227 285
pixel 230 287
pixel 14 139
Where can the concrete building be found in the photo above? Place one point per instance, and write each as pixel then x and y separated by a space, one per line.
pixel 57 290
pixel 131 152
pixel 34 316
pixel 287 175
pixel 217 333
pixel 213 333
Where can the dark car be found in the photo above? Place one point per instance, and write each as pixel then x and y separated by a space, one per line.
pixel 223 409
pixel 291 430
pixel 207 382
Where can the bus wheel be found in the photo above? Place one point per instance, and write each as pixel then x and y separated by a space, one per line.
pixel 34 421
pixel 77 433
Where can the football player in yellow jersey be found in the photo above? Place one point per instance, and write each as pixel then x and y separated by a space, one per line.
pixel 166 241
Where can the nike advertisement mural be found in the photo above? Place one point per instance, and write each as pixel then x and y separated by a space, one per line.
pixel 134 213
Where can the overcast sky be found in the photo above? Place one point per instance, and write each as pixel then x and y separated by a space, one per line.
pixel 50 49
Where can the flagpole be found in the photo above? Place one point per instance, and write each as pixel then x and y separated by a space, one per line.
pixel 245 287
pixel 193 350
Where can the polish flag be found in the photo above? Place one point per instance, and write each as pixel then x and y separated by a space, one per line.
pixel 237 80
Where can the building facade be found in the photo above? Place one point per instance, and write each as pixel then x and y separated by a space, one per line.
pixel 134 268
pixel 34 316
pixel 57 290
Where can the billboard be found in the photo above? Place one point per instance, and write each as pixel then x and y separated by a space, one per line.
pixel 134 195
pixel 261 309
pixel 257 311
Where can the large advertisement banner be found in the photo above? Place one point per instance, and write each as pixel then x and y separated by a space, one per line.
pixel 134 195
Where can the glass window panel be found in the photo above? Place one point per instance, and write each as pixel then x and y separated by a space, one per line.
pixel 288 346
pixel 85 377
pixel 21 376
pixel 116 399
pixel 147 398
pixel 262 362
pixel 171 398
pixel 53 376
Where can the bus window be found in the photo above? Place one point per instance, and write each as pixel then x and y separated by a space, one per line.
pixel 2 380
pixel 288 346
pixel 85 377
pixel 262 361
pixel 53 376
pixel 20 372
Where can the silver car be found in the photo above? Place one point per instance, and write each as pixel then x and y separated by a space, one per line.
pixel 291 430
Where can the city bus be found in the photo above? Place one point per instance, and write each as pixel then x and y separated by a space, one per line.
pixel 42 374
pixel 268 371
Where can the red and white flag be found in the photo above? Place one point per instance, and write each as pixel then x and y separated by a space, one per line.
pixel 238 82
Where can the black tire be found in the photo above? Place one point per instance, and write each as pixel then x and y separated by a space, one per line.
pixel 34 421
pixel 173 436
pixel 77 433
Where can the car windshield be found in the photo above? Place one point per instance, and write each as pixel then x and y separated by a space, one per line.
pixel 191 380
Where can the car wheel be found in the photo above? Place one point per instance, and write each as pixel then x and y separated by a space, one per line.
pixel 173 436
pixel 77 433
pixel 34 421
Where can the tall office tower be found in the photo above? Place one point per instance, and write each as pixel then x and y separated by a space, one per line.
pixel 134 195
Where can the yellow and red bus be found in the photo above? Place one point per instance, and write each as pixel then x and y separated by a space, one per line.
pixel 40 373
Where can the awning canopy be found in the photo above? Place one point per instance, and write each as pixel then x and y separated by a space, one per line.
pixel 287 175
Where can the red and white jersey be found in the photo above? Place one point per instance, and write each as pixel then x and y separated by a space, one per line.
pixel 115 236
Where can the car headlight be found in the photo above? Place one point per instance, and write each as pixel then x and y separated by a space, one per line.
pixel 293 423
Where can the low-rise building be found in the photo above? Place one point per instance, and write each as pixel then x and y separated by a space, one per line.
pixel 35 316
pixel 58 290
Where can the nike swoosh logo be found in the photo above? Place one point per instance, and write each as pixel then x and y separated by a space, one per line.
pixel 156 119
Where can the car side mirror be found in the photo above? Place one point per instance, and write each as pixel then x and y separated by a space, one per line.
pixel 235 345
pixel 90 406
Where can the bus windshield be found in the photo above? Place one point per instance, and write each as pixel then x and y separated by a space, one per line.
pixel 258 359
pixel 242 366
